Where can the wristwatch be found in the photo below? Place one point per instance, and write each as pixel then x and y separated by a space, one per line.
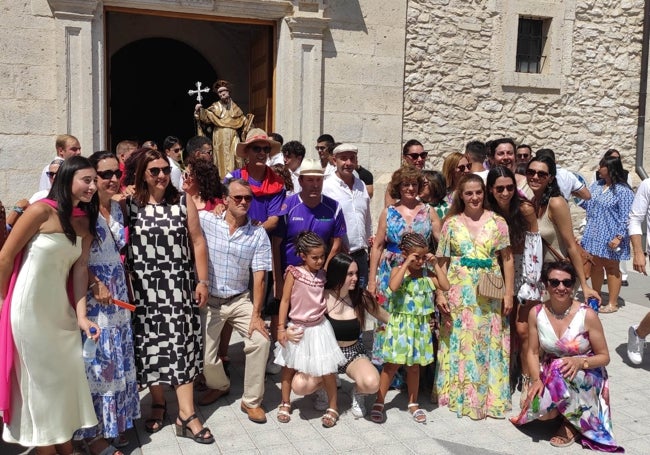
pixel 585 364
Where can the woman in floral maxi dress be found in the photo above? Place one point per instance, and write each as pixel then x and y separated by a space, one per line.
pixel 474 347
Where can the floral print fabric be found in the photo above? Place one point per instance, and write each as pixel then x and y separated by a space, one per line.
pixel 472 376
pixel 407 339
pixel 111 376
pixel 583 401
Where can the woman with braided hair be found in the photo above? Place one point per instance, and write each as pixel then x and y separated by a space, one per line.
pixel 408 340
pixel 317 354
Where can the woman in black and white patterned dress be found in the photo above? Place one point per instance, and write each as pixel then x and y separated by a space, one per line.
pixel 163 225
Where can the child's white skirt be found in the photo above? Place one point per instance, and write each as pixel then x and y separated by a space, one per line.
pixel 317 354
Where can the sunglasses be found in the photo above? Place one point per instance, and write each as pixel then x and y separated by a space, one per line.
pixel 462 167
pixel 51 174
pixel 186 175
pixel 320 148
pixel 415 156
pixel 239 198
pixel 501 188
pixel 554 282
pixel 107 175
pixel 155 171
pixel 540 174
pixel 178 150
pixel 258 148
pixel 523 155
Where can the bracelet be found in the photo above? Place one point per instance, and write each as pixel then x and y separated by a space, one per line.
pixel 206 283
pixel 18 210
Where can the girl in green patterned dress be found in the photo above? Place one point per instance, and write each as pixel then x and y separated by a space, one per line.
pixel 408 337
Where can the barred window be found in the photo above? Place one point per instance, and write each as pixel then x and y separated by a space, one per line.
pixel 530 43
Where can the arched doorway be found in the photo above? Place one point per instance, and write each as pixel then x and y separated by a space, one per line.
pixel 148 84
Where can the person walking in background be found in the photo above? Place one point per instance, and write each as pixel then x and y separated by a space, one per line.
pixel 605 236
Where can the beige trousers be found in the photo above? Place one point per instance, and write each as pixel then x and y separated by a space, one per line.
pixel 236 312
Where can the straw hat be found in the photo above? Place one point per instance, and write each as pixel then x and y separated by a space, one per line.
pixel 311 167
pixel 345 147
pixel 257 135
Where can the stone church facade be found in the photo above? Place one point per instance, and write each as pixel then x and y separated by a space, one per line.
pixel 372 72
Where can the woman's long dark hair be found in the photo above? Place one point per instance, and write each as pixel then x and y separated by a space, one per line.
pixel 141 196
pixel 615 170
pixel 361 299
pixel 61 192
pixel 551 190
pixel 517 223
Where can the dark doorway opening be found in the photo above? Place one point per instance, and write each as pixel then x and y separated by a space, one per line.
pixel 149 80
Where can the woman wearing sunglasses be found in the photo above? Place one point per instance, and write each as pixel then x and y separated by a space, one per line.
pixel 111 375
pixel 164 231
pixel 454 167
pixel 567 356
pixel 526 244
pixel 554 218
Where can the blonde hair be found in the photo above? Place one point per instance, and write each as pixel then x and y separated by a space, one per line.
pixel 449 166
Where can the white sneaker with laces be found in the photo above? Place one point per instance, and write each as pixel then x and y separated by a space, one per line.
pixel 321 403
pixel 358 407
pixel 635 346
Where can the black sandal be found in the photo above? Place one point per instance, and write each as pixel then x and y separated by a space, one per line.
pixel 153 425
pixel 185 432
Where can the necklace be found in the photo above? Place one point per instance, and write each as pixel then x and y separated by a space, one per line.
pixel 559 316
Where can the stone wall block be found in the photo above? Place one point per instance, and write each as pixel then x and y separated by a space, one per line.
pixel 24 117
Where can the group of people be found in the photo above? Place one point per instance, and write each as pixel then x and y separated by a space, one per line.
pixel 456 261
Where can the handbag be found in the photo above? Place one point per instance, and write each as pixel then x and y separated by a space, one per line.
pixel 587 259
pixel 491 285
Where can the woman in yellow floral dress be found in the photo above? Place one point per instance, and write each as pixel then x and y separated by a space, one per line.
pixel 472 376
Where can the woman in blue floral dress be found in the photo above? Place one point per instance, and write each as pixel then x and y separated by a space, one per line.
pixel 570 380
pixel 111 376
pixel 407 215
pixel 605 235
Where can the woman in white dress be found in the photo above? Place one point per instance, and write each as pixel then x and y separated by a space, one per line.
pixel 49 397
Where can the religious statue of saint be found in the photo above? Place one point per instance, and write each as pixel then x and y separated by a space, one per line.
pixel 223 120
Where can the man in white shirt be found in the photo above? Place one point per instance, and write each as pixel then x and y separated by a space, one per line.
pixel 66 146
pixel 569 184
pixel 351 194
pixel 640 211
pixel 174 151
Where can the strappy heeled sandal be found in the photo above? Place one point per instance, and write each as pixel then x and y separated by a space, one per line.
pixel 184 432
pixel 377 413
pixel 108 450
pixel 330 418
pixel 153 425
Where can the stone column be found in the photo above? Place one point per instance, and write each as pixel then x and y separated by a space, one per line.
pixel 299 76
pixel 74 73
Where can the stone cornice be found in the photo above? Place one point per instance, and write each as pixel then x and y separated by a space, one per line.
pixel 73 8
pixel 307 26
pixel 253 9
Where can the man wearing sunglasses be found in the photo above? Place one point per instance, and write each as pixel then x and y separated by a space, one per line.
pixel 174 151
pixel 230 302
pixel 523 154
pixel 324 147
pixel 66 147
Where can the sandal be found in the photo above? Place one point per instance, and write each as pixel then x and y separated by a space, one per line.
pixel 330 418
pixel 284 415
pixel 525 382
pixel 107 450
pixel 419 415
pixel 564 437
pixel 377 413
pixel 120 441
pixel 153 424
pixel 607 309
pixel 184 432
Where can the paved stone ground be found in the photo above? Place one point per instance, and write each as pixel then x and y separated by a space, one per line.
pixel 443 433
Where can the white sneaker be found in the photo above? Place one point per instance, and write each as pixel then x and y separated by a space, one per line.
pixel 271 366
pixel 358 407
pixel 321 403
pixel 635 346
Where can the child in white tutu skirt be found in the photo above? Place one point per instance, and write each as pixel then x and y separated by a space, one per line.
pixel 317 353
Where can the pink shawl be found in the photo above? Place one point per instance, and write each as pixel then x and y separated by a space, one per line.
pixel 7 349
